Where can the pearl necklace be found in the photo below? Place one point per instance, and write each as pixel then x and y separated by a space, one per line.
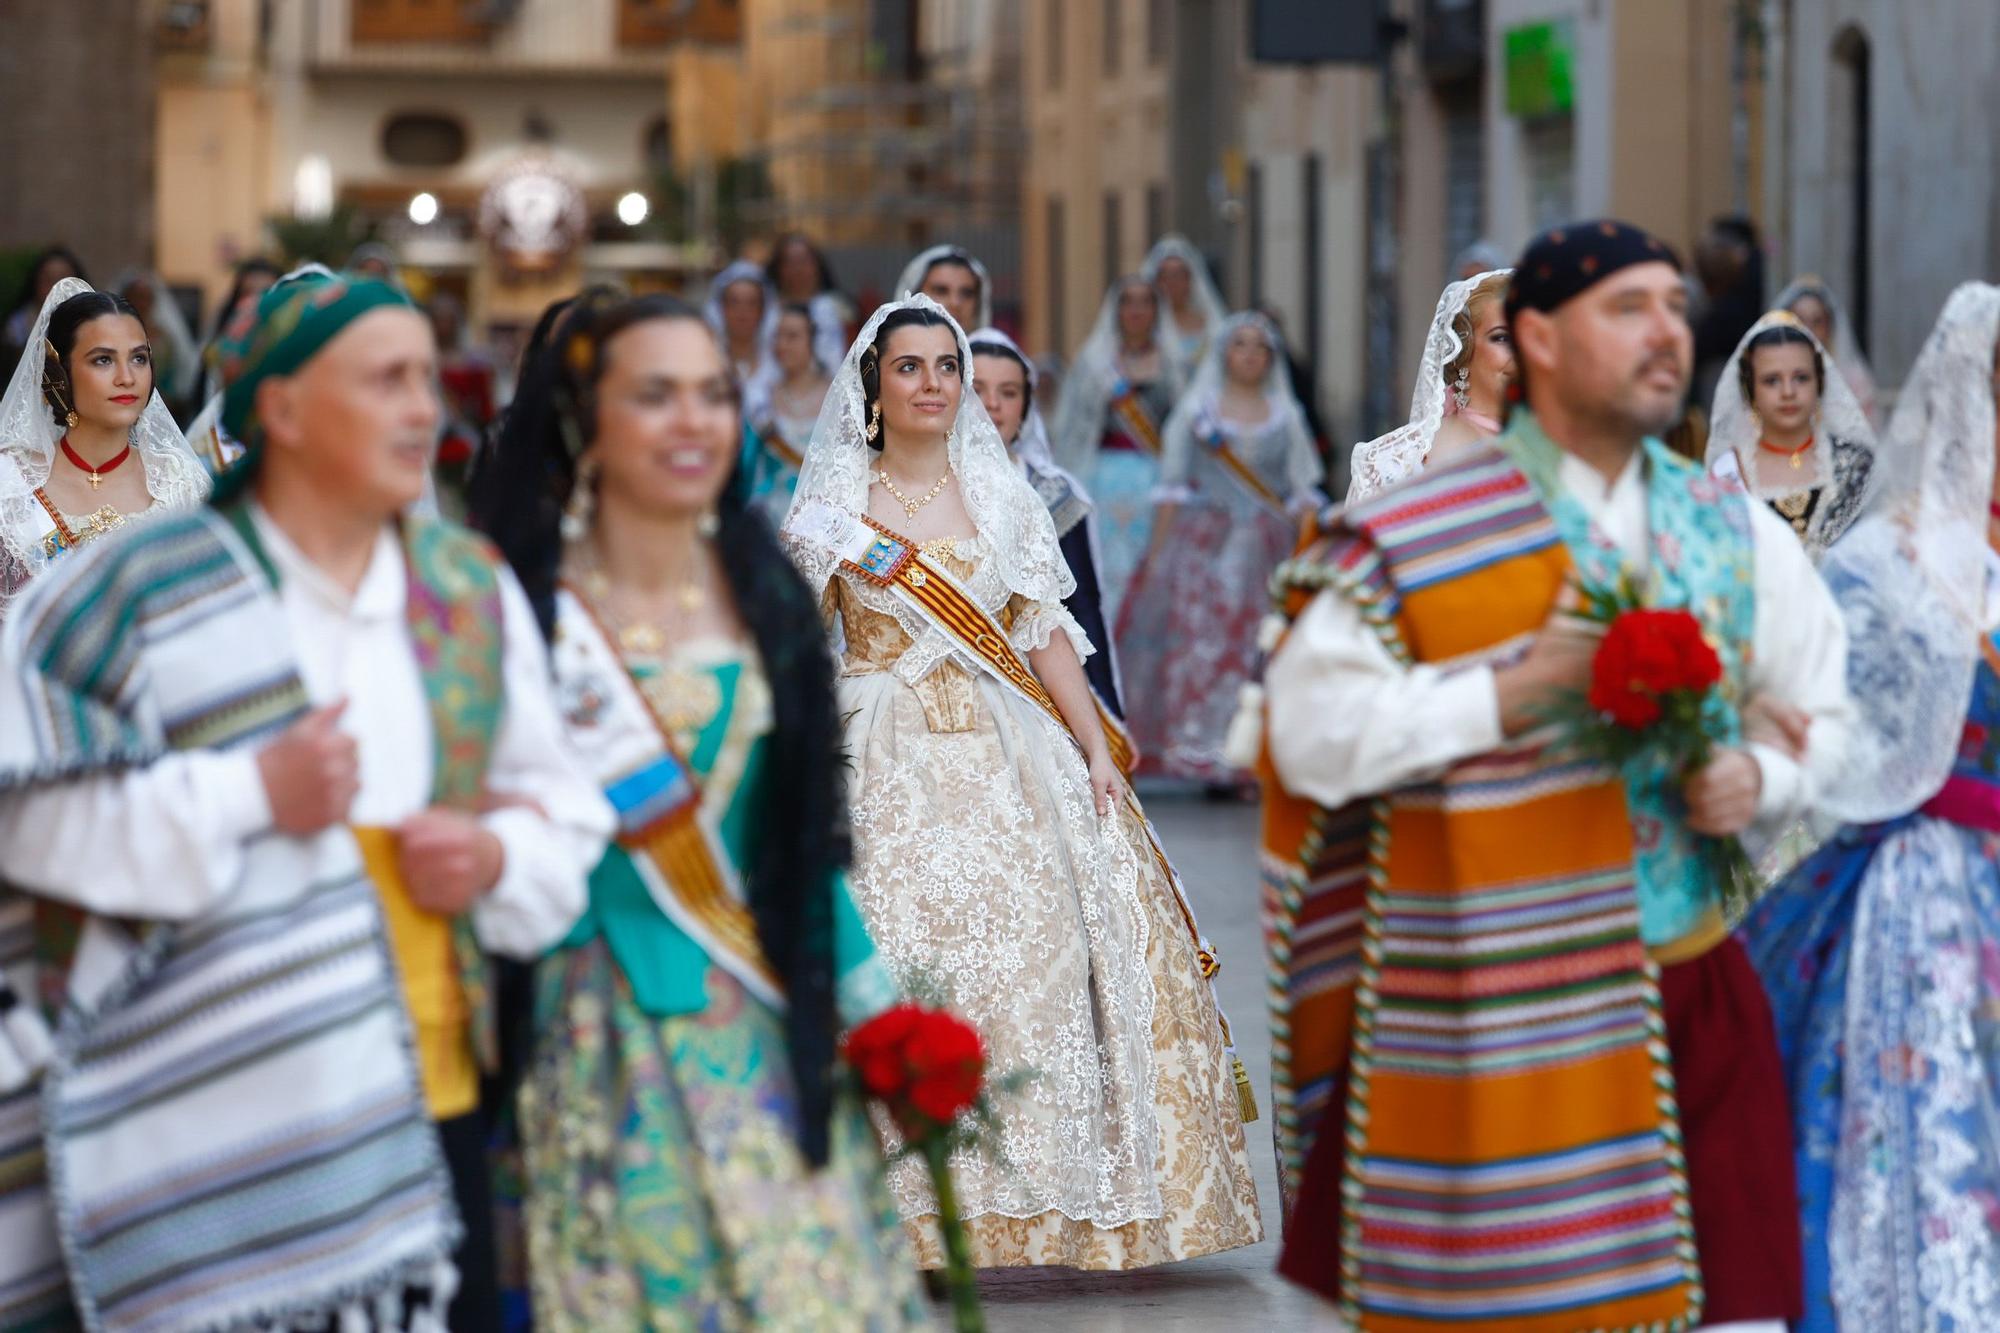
pixel 910 507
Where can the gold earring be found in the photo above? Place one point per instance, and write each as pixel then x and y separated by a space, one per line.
pixel 582 503
pixel 708 524
pixel 875 420
pixel 70 418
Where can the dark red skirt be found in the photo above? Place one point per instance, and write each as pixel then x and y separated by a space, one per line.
pixel 1735 1126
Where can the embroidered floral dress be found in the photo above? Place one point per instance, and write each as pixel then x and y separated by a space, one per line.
pixel 982 867
pixel 1187 633
pixel 666 1189
pixel 1122 477
pixel 1881 954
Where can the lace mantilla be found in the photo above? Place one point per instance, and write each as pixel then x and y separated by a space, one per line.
pixel 1079 425
pixel 175 478
pixel 1911 575
pixel 1388 459
pixel 1014 524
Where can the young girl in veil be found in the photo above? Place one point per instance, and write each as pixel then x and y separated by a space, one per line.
pixel 997 854
pixel 86 442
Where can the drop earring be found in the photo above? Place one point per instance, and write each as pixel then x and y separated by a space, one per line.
pixel 708 524
pixel 875 420
pixel 582 503
pixel 1459 394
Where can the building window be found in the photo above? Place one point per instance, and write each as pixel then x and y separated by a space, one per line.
pixel 1549 147
pixel 661 22
pixel 1310 260
pixel 1159 30
pixel 1058 263
pixel 1052 41
pixel 423 139
pixel 1464 178
pixel 1156 212
pixel 1113 224
pixel 1112 34
pixel 1852 159
pixel 416 21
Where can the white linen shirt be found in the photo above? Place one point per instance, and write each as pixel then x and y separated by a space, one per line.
pixel 166 842
pixel 1347 720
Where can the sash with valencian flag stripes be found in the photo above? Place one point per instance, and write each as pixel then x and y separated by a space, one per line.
pixel 1458 984
pixel 1129 410
pixel 1212 435
pixel 673 847
pixel 892 562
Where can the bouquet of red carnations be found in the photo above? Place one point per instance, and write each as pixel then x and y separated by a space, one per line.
pixel 1653 687
pixel 927 1067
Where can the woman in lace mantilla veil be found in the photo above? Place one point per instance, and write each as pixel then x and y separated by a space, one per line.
pixel 692 1159
pixel 1240 469
pixel 1881 952
pixel 1194 309
pixel 1110 418
pixel 1461 392
pixel 991 857
pixel 1820 311
pixel 791 402
pixel 1792 433
pixel 86 442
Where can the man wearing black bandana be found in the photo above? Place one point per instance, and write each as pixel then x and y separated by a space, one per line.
pixel 1515 928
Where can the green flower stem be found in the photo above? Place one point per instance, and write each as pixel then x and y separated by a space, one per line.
pixel 958 1272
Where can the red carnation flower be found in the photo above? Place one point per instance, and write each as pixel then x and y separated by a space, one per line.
pixel 1645 657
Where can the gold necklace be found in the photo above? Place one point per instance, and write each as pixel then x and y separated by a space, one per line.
pixel 910 507
pixel 646 638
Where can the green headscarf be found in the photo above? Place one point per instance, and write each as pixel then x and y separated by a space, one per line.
pixel 291 323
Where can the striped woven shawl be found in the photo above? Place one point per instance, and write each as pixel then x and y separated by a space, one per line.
pixel 1458 982
pixel 235 1133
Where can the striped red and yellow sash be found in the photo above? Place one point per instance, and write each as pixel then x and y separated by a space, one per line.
pixel 1246 476
pixel 659 809
pixel 781 448
pixel 1129 408
pixel 895 562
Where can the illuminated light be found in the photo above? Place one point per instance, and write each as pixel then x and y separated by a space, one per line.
pixel 632 209
pixel 424 209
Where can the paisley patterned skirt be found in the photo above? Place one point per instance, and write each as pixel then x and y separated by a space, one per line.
pixel 665 1189
pixel 1881 955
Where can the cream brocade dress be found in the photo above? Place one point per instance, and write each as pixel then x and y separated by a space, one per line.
pixel 982 868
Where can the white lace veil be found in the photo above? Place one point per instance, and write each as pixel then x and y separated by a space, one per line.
pixel 1205 295
pixel 1846 349
pixel 1388 459
pixel 1910 576
pixel 1843 456
pixel 1086 391
pixel 914 273
pixel 1186 424
pixel 839 464
pixel 29 435
pixel 757 388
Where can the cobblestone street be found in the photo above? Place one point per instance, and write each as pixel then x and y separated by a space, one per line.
pixel 1214 845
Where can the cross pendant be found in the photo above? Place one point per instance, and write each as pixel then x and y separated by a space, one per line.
pixel 94 479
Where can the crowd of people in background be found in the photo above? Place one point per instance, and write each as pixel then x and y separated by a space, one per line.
pixel 809 656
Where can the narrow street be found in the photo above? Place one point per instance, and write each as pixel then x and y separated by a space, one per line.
pixel 1215 847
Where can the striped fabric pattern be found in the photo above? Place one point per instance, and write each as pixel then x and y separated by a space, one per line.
pixel 1463 961
pixel 234 1127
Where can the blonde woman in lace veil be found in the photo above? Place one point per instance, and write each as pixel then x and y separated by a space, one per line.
pixel 86 443
pixel 1110 421
pixel 1194 308
pixel 1461 390
pixel 1793 433
pixel 996 854
pixel 1881 952
pixel 1820 311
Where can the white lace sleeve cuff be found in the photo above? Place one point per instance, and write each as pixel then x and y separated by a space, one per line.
pixel 1038 623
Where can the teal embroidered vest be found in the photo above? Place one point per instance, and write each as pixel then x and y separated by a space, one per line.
pixel 1701 559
